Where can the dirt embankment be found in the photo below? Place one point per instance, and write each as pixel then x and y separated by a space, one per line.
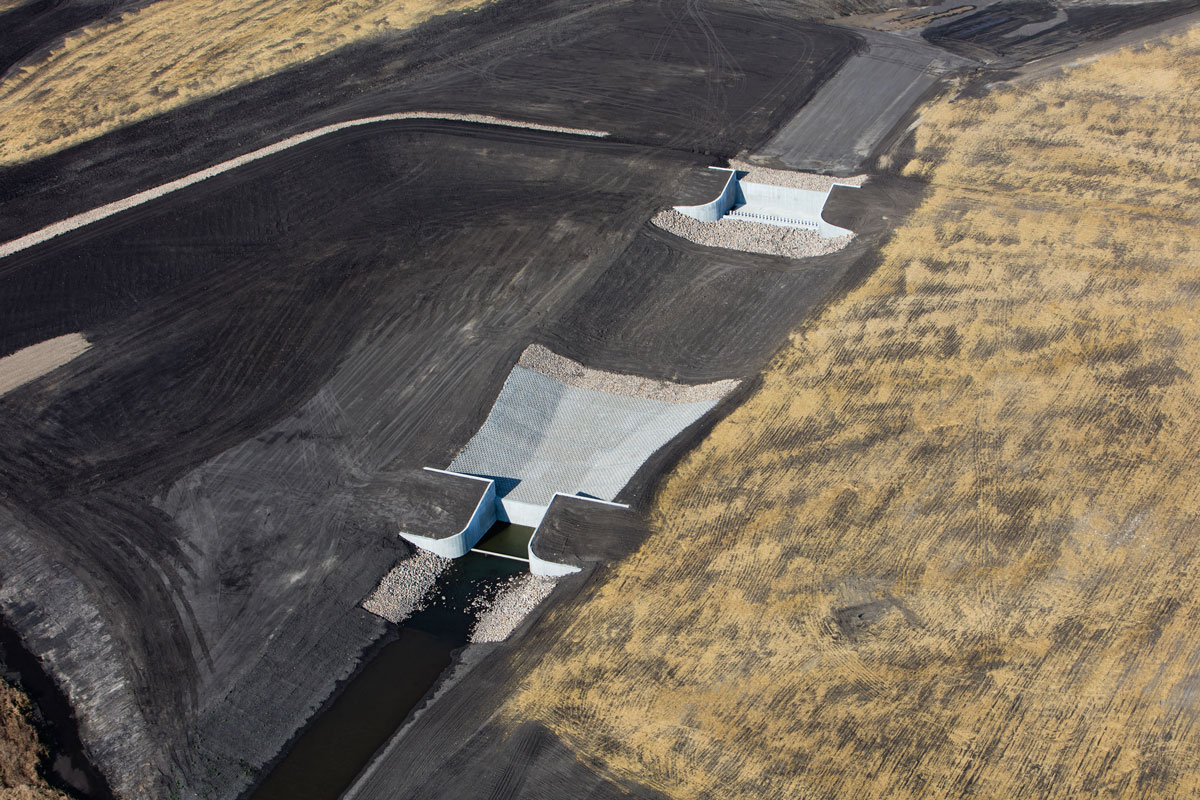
pixel 20 751
pixel 949 548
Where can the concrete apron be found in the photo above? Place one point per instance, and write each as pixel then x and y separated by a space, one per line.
pixel 767 204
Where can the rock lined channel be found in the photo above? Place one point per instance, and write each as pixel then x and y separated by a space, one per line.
pixel 339 742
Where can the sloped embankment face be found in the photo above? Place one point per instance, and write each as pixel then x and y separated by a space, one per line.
pixel 948 548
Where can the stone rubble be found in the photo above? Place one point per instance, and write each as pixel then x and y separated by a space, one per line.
pixel 749 237
pixel 567 371
pixel 402 591
pixel 519 595
pixel 791 178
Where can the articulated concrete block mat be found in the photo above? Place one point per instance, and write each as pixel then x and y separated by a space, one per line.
pixel 568 434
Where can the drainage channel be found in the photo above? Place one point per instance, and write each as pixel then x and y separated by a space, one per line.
pixel 506 541
pixel 323 762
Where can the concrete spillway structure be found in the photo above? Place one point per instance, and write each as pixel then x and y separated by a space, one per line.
pixel 544 437
pixel 561 430
pixel 455 541
pixel 767 204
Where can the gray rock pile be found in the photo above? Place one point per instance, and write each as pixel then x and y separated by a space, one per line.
pixel 572 373
pixel 402 591
pixel 749 237
pixel 519 595
pixel 791 178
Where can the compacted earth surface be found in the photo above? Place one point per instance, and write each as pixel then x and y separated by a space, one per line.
pixel 217 404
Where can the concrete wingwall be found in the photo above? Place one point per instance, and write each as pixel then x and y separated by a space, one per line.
pixel 715 209
pixel 552 569
pixel 481 521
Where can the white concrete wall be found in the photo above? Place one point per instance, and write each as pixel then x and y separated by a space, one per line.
pixel 520 513
pixel 770 205
pixel 788 207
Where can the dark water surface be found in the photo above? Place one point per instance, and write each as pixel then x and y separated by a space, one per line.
pixel 324 760
pixel 507 539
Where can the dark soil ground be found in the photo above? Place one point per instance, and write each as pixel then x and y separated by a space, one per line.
pixel 857 108
pixel 690 76
pixel 191 511
pixel 197 470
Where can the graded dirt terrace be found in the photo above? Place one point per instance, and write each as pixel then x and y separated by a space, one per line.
pixel 255 409
pixel 192 510
pixel 338 299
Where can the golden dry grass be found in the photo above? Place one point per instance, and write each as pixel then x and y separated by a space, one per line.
pixel 175 52
pixel 950 548
pixel 20 751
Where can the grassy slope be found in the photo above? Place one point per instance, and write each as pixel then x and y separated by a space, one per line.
pixel 19 751
pixel 169 54
pixel 949 549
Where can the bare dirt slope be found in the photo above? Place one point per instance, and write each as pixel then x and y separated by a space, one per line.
pixel 948 548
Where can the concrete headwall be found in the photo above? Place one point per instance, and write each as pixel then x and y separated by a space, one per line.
pixel 481 521
pixel 715 209
pixel 520 513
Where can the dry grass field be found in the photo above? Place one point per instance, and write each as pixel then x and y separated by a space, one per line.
pixel 20 750
pixel 172 53
pixel 950 548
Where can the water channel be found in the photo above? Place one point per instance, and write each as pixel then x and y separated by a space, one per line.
pixel 323 762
